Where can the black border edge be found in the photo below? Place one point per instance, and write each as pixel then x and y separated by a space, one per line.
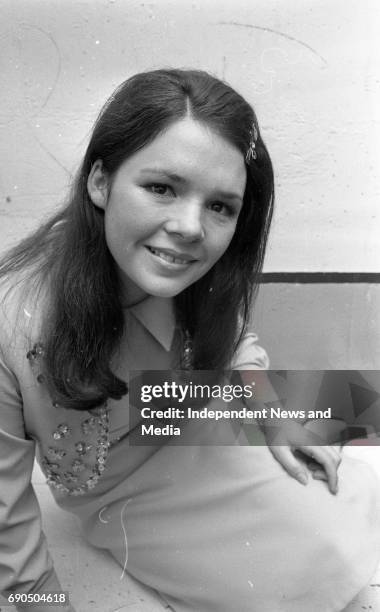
pixel 319 277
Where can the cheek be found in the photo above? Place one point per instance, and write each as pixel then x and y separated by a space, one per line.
pixel 221 240
pixel 122 226
pixel 113 227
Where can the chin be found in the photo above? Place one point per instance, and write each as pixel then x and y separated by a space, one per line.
pixel 166 291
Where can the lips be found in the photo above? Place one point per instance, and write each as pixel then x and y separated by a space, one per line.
pixel 171 256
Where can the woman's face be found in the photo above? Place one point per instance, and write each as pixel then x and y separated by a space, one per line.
pixel 171 209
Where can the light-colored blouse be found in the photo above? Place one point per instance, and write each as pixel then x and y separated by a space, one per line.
pixel 77 450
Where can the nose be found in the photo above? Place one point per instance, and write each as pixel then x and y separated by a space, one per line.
pixel 186 221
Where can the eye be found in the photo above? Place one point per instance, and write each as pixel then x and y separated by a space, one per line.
pixel 160 189
pixel 222 209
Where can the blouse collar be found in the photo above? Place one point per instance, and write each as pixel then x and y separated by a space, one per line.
pixel 156 314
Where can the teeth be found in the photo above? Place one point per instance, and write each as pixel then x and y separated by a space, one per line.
pixel 167 257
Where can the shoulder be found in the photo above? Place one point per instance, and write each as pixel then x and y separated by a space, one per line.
pixel 22 310
pixel 249 354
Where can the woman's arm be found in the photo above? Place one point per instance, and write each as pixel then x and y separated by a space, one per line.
pixel 25 564
pixel 289 441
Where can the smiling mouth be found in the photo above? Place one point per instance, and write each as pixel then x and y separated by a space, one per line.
pixel 168 256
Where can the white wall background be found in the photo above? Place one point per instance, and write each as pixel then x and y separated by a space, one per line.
pixel 310 67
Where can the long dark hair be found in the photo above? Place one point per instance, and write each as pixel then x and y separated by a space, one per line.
pixel 84 317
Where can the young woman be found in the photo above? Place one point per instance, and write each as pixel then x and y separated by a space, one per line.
pixel 152 265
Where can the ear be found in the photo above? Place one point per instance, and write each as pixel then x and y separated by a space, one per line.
pixel 97 185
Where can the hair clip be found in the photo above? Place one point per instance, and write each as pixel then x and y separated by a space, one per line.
pixel 253 136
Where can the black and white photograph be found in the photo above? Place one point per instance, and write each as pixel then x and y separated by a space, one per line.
pixel 189 306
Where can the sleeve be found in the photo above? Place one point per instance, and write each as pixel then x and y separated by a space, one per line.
pixel 25 564
pixel 249 355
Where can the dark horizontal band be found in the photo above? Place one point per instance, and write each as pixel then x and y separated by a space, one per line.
pixel 320 277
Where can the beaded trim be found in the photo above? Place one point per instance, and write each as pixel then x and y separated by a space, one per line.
pixel 67 478
pixel 61 481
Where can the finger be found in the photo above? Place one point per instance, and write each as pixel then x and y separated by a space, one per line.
pixel 284 455
pixel 325 452
pixel 328 459
pixel 313 466
pixel 313 451
pixel 320 475
pixel 331 453
pixel 336 453
pixel 330 469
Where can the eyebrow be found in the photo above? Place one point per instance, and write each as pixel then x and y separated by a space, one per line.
pixel 181 180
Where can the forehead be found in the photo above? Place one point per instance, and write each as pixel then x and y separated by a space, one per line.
pixel 193 150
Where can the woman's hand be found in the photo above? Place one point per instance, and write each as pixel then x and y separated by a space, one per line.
pixel 295 447
pixel 293 443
